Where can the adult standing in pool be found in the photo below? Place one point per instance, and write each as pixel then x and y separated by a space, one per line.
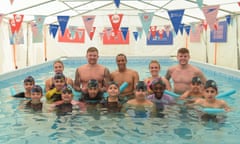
pixel 58 67
pixel 123 74
pixel 183 72
pixel 91 70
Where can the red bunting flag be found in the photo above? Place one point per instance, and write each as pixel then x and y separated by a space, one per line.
pixel 238 3
pixel 115 20
pixel 18 21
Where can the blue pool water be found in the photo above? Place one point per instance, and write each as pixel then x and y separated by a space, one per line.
pixel 179 126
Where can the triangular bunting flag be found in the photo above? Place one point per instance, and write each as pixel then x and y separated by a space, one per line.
pixel 124 31
pixel 210 13
pixel 117 3
pixel 63 20
pixel 187 29
pixel 238 3
pixel 1 18
pixel 139 30
pixel 11 1
pixel 181 27
pixel 200 3
pixel 135 34
pixel 12 25
pixel 39 21
pixel 53 29
pixel 176 18
pixel 18 21
pixel 88 23
pixel 146 20
pixel 115 20
pixel 91 34
pixel 228 19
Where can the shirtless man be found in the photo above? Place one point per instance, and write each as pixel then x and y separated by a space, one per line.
pixel 58 67
pixel 91 70
pixel 123 74
pixel 183 73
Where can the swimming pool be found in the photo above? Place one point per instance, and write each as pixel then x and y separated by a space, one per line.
pixel 177 127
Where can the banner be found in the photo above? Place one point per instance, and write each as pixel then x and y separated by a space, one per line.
pixel 146 20
pixel 210 13
pixel 219 35
pixel 140 30
pixel 115 20
pixel 111 37
pixel 195 36
pixel 79 36
pixel 161 40
pixel 17 37
pixel 176 18
pixel 88 23
pixel 62 20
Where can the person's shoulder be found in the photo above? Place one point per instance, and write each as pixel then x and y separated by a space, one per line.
pixel 132 101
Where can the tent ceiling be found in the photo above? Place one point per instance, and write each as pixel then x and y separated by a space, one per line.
pixel 52 8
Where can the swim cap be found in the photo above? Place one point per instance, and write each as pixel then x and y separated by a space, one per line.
pixel 196 80
pixel 92 83
pixel 36 88
pixel 157 81
pixel 211 83
pixel 29 79
pixel 113 83
pixel 59 76
pixel 67 89
pixel 141 85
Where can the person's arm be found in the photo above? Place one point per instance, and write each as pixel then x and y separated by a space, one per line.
pixel 225 106
pixel 168 75
pixel 77 80
pixel 135 79
pixel 185 95
pixel 70 81
pixel 106 79
pixel 167 83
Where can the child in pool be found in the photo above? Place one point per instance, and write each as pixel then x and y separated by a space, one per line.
pixel 158 97
pixel 35 102
pixel 210 101
pixel 139 106
pixel 112 101
pixel 195 92
pixel 28 84
pixel 54 94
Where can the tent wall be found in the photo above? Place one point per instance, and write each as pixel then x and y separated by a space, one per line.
pixel 33 53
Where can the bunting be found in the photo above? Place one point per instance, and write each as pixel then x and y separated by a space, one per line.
pixel 53 29
pixel 176 18
pixel 135 34
pixel 39 19
pixel 140 30
pixel 1 18
pixel 91 34
pixel 88 23
pixel 200 3
pixel 11 1
pixel 228 19
pixel 37 36
pixel 210 13
pixel 12 25
pixel 18 21
pixel 115 20
pixel 72 31
pixel 181 27
pixel 117 3
pixel 124 31
pixel 187 29
pixel 146 20
pixel 62 20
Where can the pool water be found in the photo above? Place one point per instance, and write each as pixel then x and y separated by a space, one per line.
pixel 178 126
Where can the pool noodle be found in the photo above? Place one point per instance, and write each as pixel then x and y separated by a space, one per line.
pixel 123 87
pixel 13 91
pixel 225 94
pixel 167 92
pixel 213 110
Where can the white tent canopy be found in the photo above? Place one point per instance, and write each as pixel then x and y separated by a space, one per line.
pixel 34 53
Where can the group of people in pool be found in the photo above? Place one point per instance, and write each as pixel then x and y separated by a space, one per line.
pixel 100 89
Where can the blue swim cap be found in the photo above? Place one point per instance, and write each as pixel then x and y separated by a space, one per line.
pixel 59 76
pixel 211 83
pixel 92 83
pixel 36 88
pixel 67 89
pixel 196 79
pixel 141 85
